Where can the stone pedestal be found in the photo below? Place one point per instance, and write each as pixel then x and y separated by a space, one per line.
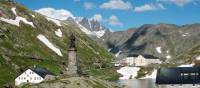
pixel 72 63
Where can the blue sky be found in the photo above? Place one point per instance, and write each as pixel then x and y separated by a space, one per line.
pixel 123 14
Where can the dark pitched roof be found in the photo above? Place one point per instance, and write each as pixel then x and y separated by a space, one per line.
pixel 147 56
pixel 173 75
pixel 41 72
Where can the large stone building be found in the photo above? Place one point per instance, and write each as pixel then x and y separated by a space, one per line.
pixel 140 60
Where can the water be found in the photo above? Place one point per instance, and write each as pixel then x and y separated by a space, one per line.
pixel 137 83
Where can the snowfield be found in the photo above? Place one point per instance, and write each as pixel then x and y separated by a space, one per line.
pixel 185 34
pixel 33 16
pixel 99 34
pixel 17 20
pixel 57 22
pixel 158 49
pixel 44 40
pixel 109 50
pixel 128 72
pixel 168 56
pixel 86 31
pixel 14 11
pixel 118 53
pixel 151 76
pixel 58 33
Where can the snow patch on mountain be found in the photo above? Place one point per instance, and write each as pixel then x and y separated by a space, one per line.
pixel 14 11
pixel 118 53
pixel 151 76
pixel 168 56
pixel 17 19
pixel 57 22
pixel 44 40
pixel 86 31
pixel 33 15
pixel 185 34
pixel 109 50
pixel 58 33
pixel 158 49
pixel 99 34
pixel 128 72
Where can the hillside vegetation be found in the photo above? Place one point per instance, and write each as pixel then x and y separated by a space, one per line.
pixel 21 49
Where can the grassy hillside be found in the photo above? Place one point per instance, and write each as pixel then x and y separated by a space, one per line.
pixel 20 49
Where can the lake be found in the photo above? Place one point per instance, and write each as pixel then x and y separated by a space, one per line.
pixel 137 83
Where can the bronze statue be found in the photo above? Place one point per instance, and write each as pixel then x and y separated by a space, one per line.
pixel 72 41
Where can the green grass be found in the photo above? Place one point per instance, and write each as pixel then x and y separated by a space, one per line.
pixel 23 48
pixel 7 73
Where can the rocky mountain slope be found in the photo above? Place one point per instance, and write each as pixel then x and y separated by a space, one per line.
pixel 163 40
pixel 29 39
pixel 166 41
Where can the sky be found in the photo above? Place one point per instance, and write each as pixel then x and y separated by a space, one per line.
pixel 122 14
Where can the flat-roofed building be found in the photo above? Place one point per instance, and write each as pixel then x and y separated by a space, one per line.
pixel 178 77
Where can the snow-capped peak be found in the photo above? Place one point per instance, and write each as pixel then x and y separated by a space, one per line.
pixel 92 26
pixel 89 27
pixel 78 19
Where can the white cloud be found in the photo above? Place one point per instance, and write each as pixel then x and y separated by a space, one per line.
pixel 114 21
pixel 97 17
pixel 149 7
pixel 116 4
pixel 180 3
pixel 60 14
pixel 88 5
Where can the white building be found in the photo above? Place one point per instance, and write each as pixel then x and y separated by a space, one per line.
pixel 35 75
pixel 140 60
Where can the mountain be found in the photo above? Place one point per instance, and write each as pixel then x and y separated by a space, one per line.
pixel 29 39
pixel 94 28
pixel 163 40
pixel 113 40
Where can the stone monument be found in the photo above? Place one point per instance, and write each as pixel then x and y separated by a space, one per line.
pixel 72 57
